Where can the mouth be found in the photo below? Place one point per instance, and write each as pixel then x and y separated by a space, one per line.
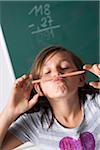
pixel 58 79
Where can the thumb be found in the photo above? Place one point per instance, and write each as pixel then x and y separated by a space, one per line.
pixel 33 101
pixel 95 84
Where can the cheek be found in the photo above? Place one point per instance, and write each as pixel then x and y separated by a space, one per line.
pixel 46 87
pixel 72 81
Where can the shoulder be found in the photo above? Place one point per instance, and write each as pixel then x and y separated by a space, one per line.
pixel 93 100
pixel 35 116
pixel 28 119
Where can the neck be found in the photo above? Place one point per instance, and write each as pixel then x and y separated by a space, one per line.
pixel 67 110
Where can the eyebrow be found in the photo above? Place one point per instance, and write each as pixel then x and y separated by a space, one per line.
pixel 64 60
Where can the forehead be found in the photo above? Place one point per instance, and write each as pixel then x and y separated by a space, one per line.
pixel 58 56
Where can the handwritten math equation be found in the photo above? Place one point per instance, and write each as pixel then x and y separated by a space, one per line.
pixel 43 16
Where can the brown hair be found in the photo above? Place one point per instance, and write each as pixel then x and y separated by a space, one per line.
pixel 42 56
pixel 43 104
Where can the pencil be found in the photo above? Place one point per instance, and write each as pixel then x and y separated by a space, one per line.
pixel 36 81
pixel 72 73
pixel 62 75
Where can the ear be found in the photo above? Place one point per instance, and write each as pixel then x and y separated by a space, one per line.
pixel 38 89
pixel 82 80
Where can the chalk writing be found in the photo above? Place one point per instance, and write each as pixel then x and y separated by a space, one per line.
pixel 42 13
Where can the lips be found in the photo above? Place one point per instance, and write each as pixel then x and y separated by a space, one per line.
pixel 58 79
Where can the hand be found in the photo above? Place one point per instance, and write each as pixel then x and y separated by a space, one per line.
pixel 95 69
pixel 19 100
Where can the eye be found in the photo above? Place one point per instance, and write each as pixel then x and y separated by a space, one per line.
pixel 64 68
pixel 46 72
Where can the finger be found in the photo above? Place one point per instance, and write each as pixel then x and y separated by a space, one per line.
pixel 29 86
pixel 30 76
pixel 98 66
pixel 36 81
pixel 24 81
pixel 95 69
pixel 91 67
pixel 25 77
pixel 87 67
pixel 20 80
pixel 33 101
pixel 18 83
pixel 95 84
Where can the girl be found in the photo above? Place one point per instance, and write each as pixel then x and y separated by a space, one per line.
pixel 65 110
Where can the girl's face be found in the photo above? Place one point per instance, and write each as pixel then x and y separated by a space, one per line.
pixel 59 87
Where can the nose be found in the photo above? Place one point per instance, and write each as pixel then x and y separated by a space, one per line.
pixel 56 73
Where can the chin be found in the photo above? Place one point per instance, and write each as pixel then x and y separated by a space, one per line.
pixel 61 93
pixel 61 89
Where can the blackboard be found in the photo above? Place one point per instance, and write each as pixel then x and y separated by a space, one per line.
pixel 29 26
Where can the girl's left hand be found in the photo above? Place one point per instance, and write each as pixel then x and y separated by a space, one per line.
pixel 95 69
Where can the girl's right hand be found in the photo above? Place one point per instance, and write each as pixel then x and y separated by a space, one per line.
pixel 19 100
pixel 95 69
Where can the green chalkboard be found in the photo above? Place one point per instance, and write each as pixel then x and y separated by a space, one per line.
pixel 29 26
